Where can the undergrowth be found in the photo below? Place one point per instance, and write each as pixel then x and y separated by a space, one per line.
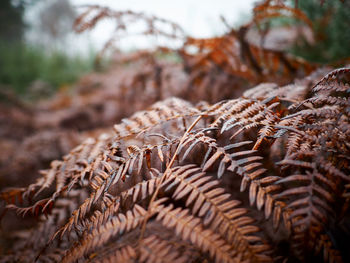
pixel 22 64
pixel 248 175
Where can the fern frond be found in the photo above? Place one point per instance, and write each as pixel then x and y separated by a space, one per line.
pixel 314 198
pixel 266 158
pixel 124 254
pixel 190 228
pixel 158 114
pixel 139 192
pixel 98 237
pixel 330 254
pixel 155 249
pixel 213 205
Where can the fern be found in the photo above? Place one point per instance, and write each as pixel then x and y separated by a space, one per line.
pixel 259 178
pixel 306 190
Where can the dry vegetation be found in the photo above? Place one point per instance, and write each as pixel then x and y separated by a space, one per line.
pixel 260 176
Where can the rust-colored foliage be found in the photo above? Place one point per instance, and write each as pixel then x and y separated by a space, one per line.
pixel 208 186
pixel 233 59
pixel 262 177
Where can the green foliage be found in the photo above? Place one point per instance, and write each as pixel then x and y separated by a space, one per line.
pixel 332 35
pixel 22 64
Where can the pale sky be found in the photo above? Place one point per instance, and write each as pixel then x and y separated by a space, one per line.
pixel 199 18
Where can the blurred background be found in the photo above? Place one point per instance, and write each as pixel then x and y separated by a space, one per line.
pixel 39 50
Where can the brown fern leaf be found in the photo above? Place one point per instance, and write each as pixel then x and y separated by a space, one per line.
pixel 190 228
pixel 12 195
pixel 258 114
pixel 233 55
pixel 113 167
pixel 27 256
pixel 315 173
pixel 124 254
pixel 213 205
pixel 330 77
pixel 116 226
pixel 244 163
pixel 65 175
pixel 246 114
pixel 42 206
pixel 314 196
pixel 160 189
pixel 158 114
pixel 78 216
pixel 222 64
pixel 330 254
pixel 60 213
pixel 139 192
pixel 37 238
pixel 155 249
pixel 109 207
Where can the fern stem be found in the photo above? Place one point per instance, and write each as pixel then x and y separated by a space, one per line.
pixel 165 175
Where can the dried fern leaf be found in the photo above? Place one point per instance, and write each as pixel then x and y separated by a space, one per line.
pixel 155 249
pixel 190 228
pixel 115 226
pixel 213 205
